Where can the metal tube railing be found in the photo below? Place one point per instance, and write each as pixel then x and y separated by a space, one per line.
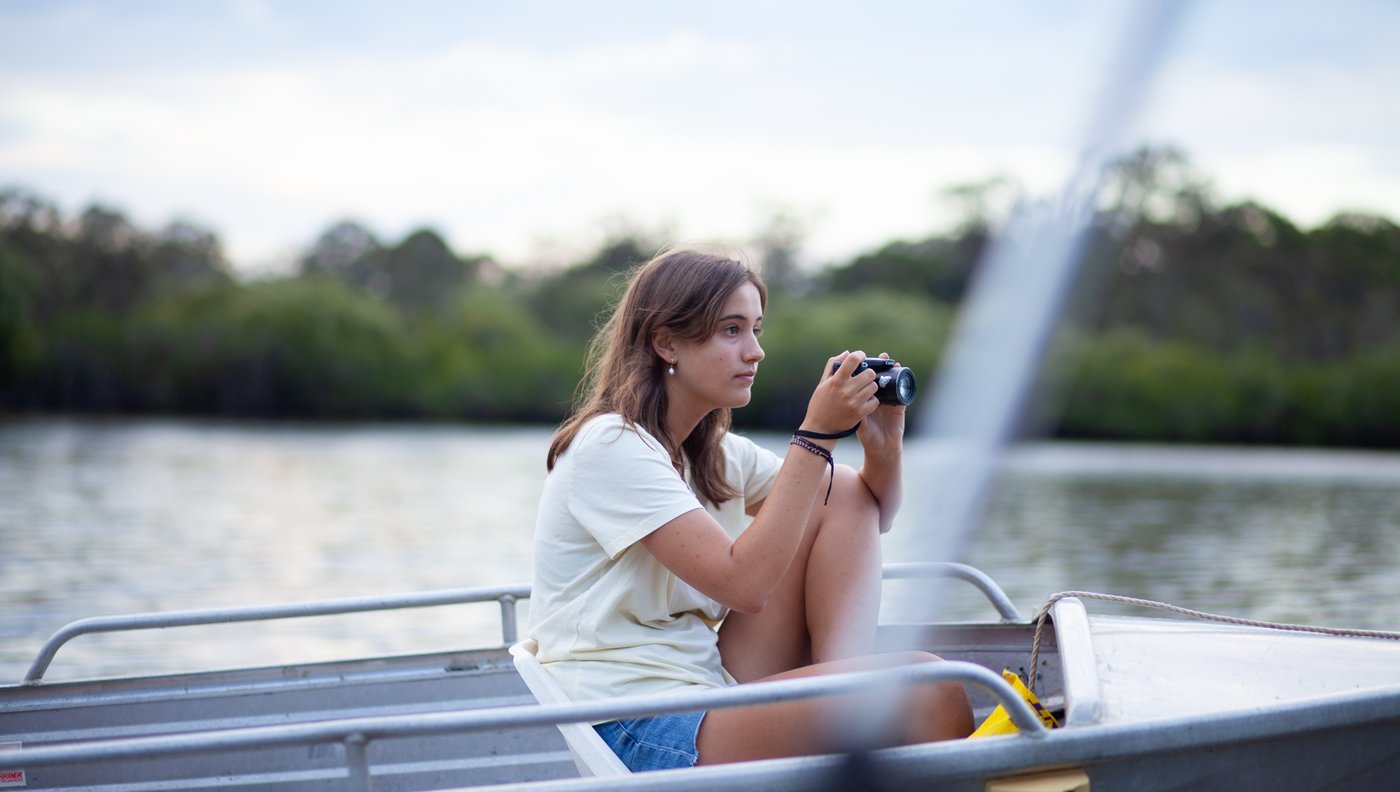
pixel 355 734
pixel 984 583
pixel 506 595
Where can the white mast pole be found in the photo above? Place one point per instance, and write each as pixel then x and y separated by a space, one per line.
pixel 1005 324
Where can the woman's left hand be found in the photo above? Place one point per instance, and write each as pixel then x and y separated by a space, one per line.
pixel 882 432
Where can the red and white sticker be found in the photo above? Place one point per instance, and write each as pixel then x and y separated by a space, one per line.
pixel 11 778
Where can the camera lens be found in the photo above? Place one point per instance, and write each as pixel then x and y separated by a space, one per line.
pixel 904 386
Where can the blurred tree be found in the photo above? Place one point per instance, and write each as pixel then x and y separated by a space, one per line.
pixel 19 337
pixel 779 244
pixel 1174 266
pixel 30 225
pixel 572 303
pixel 936 267
pixel 185 255
pixel 1157 184
pixel 303 348
pixel 1226 324
pixel 349 252
pixel 982 205
pixel 102 265
pixel 490 359
pixel 1128 387
pixel 1355 260
pixel 423 274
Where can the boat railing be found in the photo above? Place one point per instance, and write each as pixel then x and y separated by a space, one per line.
pixel 506 596
pixel 355 734
pixel 969 574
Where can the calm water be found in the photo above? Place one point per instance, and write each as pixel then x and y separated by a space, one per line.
pixel 100 518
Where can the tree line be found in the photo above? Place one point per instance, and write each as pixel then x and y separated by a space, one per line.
pixel 1198 321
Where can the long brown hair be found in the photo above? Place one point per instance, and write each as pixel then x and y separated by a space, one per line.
pixel 682 291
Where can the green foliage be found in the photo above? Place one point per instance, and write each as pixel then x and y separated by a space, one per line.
pixel 349 252
pixel 573 303
pixel 294 348
pixel 1211 324
pixel 489 359
pixel 19 338
pixel 1356 399
pixel 309 347
pixel 81 366
pixel 937 268
pixel 423 273
pixel 1127 387
pixel 1123 386
pixel 1245 276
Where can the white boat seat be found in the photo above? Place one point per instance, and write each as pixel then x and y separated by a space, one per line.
pixel 591 754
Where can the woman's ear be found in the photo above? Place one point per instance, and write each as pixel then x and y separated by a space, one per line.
pixel 664 345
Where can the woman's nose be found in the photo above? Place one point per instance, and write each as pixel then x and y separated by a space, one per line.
pixel 755 352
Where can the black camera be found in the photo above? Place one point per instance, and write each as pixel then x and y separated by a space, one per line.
pixel 896 383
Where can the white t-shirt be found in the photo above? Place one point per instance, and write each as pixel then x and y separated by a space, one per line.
pixel 609 618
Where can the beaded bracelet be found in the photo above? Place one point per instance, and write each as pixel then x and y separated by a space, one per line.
pixel 802 442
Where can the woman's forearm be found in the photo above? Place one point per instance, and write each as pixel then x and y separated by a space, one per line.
pixel 742 573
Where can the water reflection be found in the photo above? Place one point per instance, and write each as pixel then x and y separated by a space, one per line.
pixel 102 518
pixel 106 518
pixel 1269 544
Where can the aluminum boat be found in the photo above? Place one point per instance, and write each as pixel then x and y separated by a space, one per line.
pixel 1146 703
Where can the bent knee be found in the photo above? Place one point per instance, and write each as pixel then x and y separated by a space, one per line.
pixel 846 479
pixel 850 496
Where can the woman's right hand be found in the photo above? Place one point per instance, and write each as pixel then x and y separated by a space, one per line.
pixel 841 401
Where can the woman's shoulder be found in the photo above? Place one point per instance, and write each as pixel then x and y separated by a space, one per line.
pixel 610 428
pixel 599 423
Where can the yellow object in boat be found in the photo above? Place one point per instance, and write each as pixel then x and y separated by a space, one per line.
pixel 1000 723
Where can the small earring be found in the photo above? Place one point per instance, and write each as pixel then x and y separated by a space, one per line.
pixel 671 369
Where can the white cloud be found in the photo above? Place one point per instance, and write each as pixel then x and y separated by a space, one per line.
pixel 1309 184
pixel 699 131
pixel 1308 140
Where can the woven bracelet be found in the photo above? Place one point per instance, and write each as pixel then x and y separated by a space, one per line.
pixel 802 442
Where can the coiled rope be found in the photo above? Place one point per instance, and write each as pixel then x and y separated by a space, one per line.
pixel 1043 615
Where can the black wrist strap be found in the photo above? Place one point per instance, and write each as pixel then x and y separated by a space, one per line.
pixel 825 436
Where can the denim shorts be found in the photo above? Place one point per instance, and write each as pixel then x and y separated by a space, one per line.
pixel 659 743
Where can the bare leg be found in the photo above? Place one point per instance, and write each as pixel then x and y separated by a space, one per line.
pixel 827 605
pixel 798 728
pixel 821 620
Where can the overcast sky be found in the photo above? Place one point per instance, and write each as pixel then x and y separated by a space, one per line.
pixel 531 130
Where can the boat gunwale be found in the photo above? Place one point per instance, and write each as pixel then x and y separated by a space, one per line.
pixel 351 731
pixel 1084 747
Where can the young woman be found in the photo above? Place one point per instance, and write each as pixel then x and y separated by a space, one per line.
pixel 649 575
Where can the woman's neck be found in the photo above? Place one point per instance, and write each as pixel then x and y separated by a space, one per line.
pixel 680 422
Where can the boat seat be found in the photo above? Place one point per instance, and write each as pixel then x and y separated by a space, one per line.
pixel 591 754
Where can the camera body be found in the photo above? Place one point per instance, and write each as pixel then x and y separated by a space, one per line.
pixel 895 383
